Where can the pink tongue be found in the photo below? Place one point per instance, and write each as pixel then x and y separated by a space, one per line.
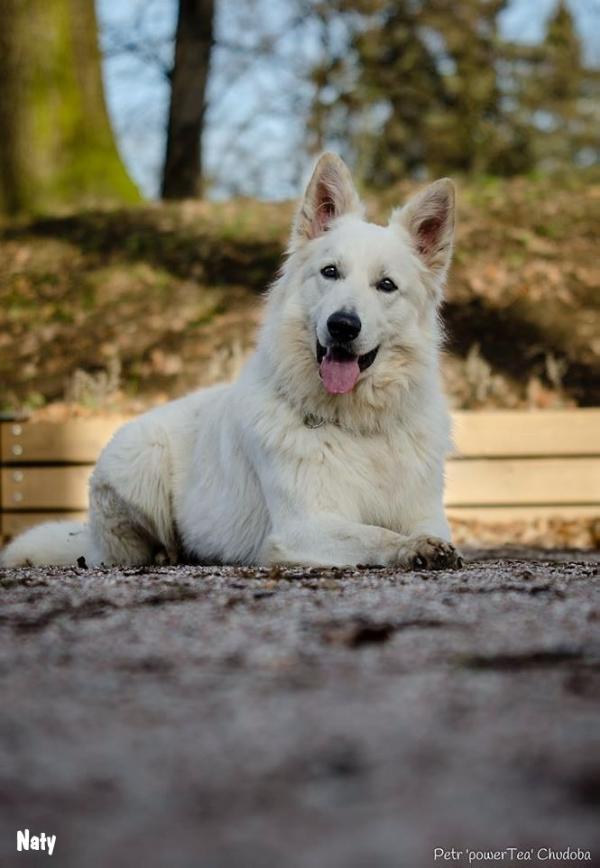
pixel 338 376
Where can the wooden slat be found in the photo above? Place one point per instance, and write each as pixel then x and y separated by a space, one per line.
pixel 76 441
pixel 13 523
pixel 472 481
pixel 520 481
pixel 477 434
pixel 43 488
pixel 520 433
pixel 504 514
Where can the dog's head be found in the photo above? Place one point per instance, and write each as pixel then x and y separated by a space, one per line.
pixel 357 302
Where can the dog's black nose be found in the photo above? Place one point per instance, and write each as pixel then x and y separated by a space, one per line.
pixel 343 326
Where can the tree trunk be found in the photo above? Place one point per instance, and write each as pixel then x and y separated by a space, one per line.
pixel 56 144
pixel 182 175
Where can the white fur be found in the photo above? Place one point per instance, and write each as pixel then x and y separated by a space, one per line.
pixel 235 473
pixel 54 542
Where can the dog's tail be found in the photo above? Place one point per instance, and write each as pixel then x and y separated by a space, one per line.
pixel 55 543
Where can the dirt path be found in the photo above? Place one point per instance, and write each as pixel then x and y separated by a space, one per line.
pixel 221 717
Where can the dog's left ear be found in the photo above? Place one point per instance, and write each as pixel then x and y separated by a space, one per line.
pixel 429 218
pixel 330 194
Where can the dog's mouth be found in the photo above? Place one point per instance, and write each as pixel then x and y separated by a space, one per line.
pixel 340 369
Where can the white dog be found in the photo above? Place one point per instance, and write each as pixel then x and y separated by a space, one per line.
pixel 330 447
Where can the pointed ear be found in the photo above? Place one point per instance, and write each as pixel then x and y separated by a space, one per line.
pixel 429 218
pixel 330 193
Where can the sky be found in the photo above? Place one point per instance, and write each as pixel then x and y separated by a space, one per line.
pixel 137 90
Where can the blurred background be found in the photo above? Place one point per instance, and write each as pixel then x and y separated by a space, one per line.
pixel 150 151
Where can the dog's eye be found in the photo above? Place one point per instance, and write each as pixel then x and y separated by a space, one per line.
pixel 330 272
pixel 386 284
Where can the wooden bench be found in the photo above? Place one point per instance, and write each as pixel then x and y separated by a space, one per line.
pixel 508 465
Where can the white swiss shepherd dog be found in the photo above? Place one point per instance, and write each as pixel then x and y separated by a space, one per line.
pixel 329 449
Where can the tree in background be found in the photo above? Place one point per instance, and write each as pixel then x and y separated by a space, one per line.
pixel 399 71
pixel 560 95
pixel 373 93
pixel 464 133
pixel 57 147
pixel 397 87
pixel 182 173
pixel 421 85
pixel 430 85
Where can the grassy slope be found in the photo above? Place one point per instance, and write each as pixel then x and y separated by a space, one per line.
pixel 122 308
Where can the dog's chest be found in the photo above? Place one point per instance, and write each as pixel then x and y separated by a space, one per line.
pixel 378 480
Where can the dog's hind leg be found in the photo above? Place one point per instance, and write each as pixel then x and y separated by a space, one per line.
pixel 120 533
pixel 131 515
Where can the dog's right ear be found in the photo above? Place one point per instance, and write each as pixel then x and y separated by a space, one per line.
pixel 330 194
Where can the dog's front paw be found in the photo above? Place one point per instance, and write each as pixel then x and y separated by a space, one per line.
pixel 430 553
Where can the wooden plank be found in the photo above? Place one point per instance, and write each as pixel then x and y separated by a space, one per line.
pixel 520 481
pixel 76 441
pixel 520 433
pixel 477 434
pixel 14 523
pixel 505 514
pixel 43 488
pixel 470 482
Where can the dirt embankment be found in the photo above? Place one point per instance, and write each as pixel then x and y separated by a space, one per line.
pixel 120 309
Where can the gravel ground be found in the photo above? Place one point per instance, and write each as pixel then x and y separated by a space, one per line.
pixel 231 718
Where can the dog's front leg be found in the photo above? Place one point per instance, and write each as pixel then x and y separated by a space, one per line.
pixel 306 527
pixel 326 540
